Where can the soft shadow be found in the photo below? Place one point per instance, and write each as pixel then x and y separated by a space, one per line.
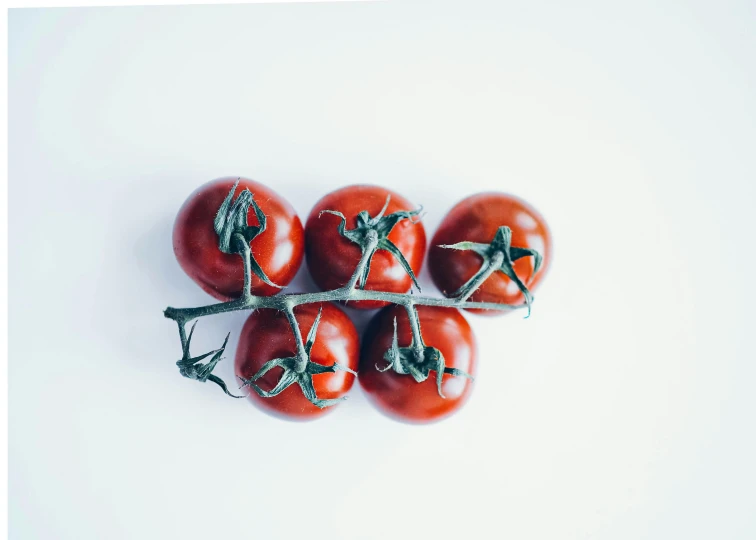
pixel 153 253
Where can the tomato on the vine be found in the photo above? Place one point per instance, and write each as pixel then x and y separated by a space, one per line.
pixel 332 258
pixel 278 250
pixel 477 219
pixel 399 395
pixel 267 335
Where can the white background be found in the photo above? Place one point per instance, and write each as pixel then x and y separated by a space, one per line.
pixel 623 408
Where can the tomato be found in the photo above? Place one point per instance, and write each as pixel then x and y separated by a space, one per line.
pixel 477 219
pixel 267 335
pixel 399 395
pixel 332 258
pixel 278 250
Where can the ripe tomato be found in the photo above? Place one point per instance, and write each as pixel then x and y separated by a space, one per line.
pixel 477 219
pixel 278 250
pixel 400 396
pixel 332 259
pixel 267 335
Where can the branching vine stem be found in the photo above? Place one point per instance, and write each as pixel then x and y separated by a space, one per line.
pixel 343 294
pixel 347 293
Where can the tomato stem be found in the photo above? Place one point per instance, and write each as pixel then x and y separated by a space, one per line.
pixel 302 357
pixel 246 255
pixel 371 239
pixel 418 345
pixel 298 369
pixel 487 268
pixel 371 234
pixel 336 295
pixel 498 255
pixel 418 360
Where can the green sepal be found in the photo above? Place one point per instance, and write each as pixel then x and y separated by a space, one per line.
pixel 480 249
pixel 192 368
pixel 501 243
pixel 231 220
pixel 313 332
pixel 290 374
pixel 382 225
pixel 285 363
pixel 518 253
pixel 387 245
pixel 405 361
pixel 391 356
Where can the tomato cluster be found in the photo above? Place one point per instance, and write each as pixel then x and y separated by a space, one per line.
pixel 416 363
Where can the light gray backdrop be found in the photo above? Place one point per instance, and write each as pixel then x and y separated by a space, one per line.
pixel 622 409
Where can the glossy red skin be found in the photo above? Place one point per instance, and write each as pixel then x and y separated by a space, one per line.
pixel 400 396
pixel 332 259
pixel 476 219
pixel 267 335
pixel 278 250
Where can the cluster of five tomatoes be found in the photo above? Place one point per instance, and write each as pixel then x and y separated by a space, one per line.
pixel 331 260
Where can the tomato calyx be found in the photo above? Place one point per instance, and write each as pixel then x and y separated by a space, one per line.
pixel 499 256
pixel 418 360
pixel 191 367
pixel 235 233
pixel 371 234
pixel 298 369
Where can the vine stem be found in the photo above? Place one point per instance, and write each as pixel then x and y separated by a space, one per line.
pixel 246 256
pixel 417 337
pixel 347 293
pixel 372 243
pixel 491 267
pixel 337 295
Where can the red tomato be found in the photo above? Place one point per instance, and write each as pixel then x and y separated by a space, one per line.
pixel 278 250
pixel 267 335
pixel 332 259
pixel 477 219
pixel 400 396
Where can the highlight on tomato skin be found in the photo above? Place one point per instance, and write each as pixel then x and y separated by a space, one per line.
pixel 399 396
pixel 332 259
pixel 477 219
pixel 278 250
pixel 266 335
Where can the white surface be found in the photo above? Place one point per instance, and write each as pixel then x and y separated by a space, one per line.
pixel 622 409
